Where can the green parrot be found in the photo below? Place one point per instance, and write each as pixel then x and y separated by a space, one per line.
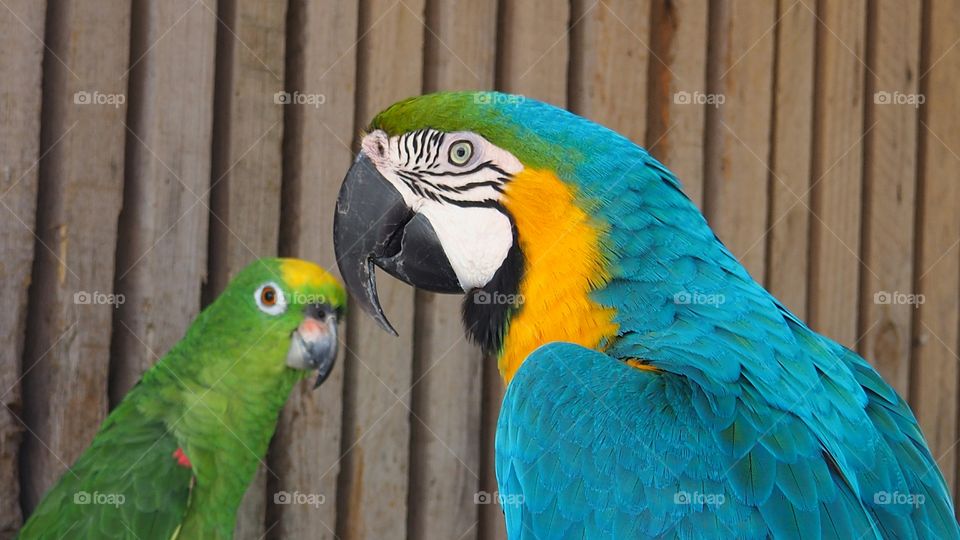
pixel 174 458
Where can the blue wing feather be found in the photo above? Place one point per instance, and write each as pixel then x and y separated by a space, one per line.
pixel 590 447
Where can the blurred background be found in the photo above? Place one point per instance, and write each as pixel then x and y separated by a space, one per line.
pixel 150 149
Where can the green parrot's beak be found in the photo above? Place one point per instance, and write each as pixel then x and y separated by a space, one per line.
pixel 314 344
pixel 374 226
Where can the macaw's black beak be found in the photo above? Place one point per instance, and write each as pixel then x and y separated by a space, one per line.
pixel 374 226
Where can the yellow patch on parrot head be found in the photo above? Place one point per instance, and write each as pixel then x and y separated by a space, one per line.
pixel 564 263
pixel 311 282
pixel 298 274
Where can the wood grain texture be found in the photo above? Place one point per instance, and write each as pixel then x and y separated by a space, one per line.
pixel 21 31
pixel 445 460
pixel 372 494
pixel 533 64
pixel 246 170
pixel 837 170
pixel 886 277
pixel 248 128
pixel 609 57
pixel 162 244
pixel 321 52
pixel 491 524
pixel 739 101
pixel 448 371
pixel 675 132
pixel 935 368
pixel 789 222
pixel 66 358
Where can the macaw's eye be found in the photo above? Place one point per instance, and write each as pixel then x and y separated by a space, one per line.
pixel 460 152
pixel 269 298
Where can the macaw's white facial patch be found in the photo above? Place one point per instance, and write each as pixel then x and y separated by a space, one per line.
pixel 476 240
pixel 455 180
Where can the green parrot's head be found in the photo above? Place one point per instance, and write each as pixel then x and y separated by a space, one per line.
pixel 277 317
pixel 493 195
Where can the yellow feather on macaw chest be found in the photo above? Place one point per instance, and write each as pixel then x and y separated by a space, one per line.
pixel 563 262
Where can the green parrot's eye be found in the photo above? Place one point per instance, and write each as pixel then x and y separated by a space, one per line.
pixel 461 152
pixel 270 299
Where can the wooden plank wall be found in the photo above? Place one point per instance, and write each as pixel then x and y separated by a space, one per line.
pixel 740 75
pixel 821 138
pixel 934 368
pixel 20 35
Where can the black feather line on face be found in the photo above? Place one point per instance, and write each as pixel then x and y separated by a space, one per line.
pixel 406 147
pixel 479 167
pixel 417 138
pixel 436 142
pixel 486 323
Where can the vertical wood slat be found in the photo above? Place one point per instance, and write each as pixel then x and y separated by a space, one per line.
pixel 445 460
pixel 935 375
pixel 675 130
pixel 81 179
pixel 491 524
pixel 737 170
pixel 372 494
pixel 890 168
pixel 789 223
pixel 837 170
pixel 460 53
pixel 246 170
pixel 608 66
pixel 321 52
pixel 162 243
pixel 532 64
pixel 248 131
pixel 21 34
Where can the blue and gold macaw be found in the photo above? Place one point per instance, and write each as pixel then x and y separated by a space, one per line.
pixel 654 388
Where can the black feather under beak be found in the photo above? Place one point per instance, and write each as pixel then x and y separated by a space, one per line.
pixel 374 226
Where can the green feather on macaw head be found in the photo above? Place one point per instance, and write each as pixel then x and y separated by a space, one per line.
pixel 175 457
pixel 539 135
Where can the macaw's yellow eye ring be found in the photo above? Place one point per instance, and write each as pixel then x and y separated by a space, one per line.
pixel 270 299
pixel 461 152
